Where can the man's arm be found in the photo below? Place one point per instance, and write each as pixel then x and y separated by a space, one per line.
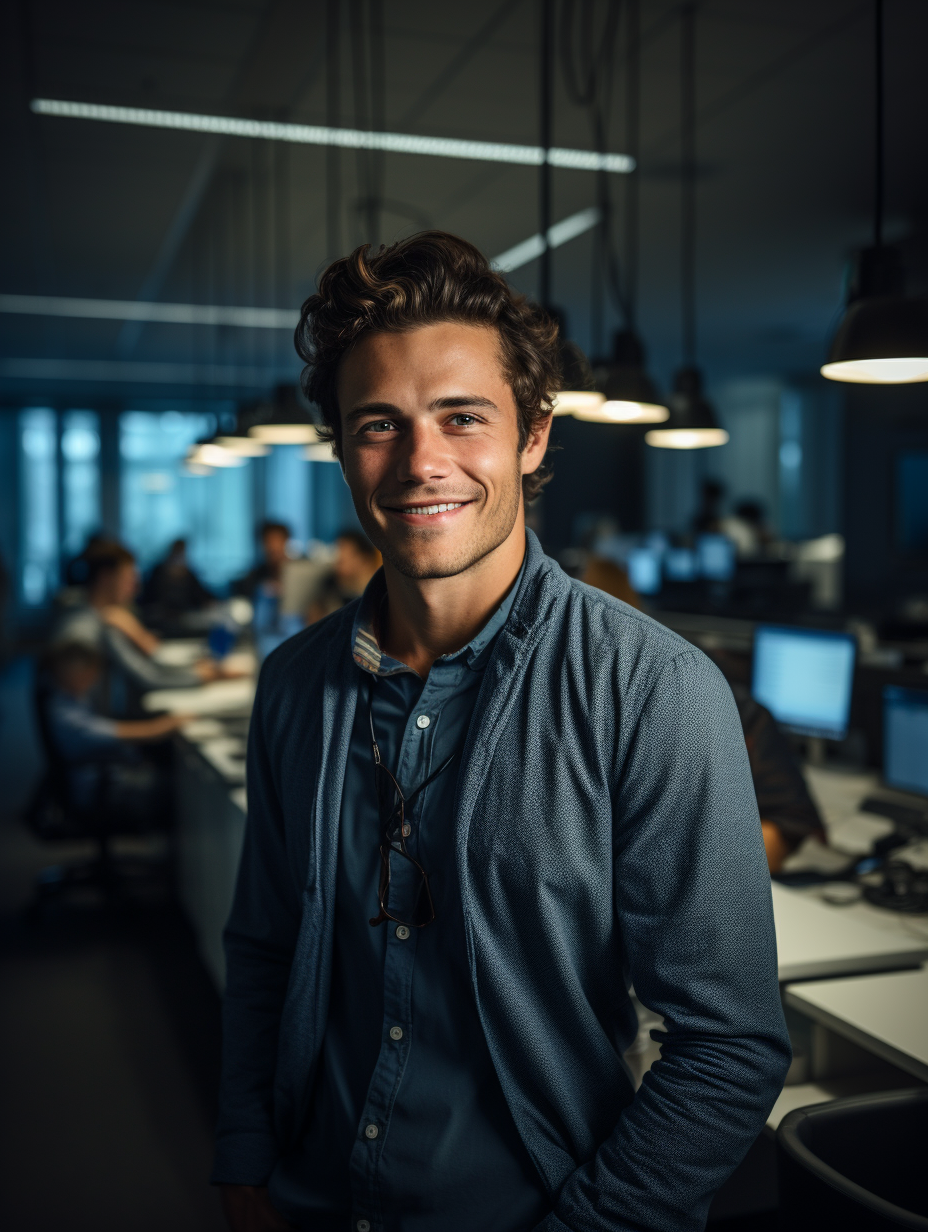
pixel 259 943
pixel 694 911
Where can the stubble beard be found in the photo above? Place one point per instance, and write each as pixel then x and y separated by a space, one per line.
pixel 408 551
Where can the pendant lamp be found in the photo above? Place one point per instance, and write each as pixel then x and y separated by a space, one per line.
pixel 578 391
pixel 285 420
pixel 692 423
pixel 883 336
pixel 210 453
pixel 629 394
pixel 321 451
pixel 239 442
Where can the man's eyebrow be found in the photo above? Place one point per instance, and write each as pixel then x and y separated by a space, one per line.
pixel 388 410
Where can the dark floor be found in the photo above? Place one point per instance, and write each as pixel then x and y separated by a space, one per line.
pixel 109 1030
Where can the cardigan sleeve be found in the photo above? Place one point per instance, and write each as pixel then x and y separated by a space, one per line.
pixel 694 914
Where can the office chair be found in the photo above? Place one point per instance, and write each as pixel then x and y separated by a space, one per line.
pixel 855 1164
pixel 54 816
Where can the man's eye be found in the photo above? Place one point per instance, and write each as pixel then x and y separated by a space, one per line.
pixel 463 420
pixel 379 425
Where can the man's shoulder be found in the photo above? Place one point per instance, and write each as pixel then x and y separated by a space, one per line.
pixel 302 659
pixel 614 623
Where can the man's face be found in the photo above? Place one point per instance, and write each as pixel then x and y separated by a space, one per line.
pixel 275 547
pixel 430 423
pixel 125 583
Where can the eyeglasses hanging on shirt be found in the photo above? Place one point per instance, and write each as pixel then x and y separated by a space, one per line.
pixel 395 830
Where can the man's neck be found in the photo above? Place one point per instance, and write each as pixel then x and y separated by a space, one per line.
pixel 425 619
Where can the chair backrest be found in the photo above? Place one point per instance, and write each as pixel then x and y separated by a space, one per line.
pixel 51 813
pixel 855 1164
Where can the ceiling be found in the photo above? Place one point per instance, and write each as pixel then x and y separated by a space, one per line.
pixel 785 136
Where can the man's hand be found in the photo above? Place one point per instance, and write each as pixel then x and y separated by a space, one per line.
pixel 247 1208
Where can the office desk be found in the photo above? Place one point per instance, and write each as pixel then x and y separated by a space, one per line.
pixel 817 940
pixel 220 697
pixel 210 833
pixel 885 1014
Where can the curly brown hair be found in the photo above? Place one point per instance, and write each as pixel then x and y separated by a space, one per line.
pixel 430 277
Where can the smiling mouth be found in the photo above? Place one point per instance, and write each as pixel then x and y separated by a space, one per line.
pixel 428 510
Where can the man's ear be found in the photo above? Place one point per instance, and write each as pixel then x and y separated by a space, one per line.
pixel 536 445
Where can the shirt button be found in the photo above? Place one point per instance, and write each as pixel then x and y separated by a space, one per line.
pixel 402 933
pixel 363 1225
pixel 423 721
pixel 371 1131
pixel 396 1033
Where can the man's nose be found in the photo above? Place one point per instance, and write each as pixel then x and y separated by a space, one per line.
pixel 424 456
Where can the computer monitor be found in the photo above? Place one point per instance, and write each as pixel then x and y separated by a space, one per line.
pixel 905 739
pixel 644 570
pixel 680 565
pixel 715 557
pixel 804 677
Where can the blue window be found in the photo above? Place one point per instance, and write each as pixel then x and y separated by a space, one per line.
pixel 80 479
pixel 38 447
pixel 160 501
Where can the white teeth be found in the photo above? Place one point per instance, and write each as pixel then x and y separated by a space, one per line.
pixel 434 508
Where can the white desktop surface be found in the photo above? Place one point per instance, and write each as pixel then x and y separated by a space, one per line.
pixel 887 1014
pixel 180 651
pixel 217 698
pixel 816 940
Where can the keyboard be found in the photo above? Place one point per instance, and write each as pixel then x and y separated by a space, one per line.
pixel 906 816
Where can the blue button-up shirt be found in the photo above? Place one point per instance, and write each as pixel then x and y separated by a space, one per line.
pixel 408 1130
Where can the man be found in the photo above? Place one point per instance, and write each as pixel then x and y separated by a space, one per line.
pixel 355 563
pixel 483 800
pixel 265 576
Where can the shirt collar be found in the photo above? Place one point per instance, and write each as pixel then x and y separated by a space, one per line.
pixel 366 650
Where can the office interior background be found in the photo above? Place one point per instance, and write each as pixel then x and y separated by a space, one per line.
pixel 178 174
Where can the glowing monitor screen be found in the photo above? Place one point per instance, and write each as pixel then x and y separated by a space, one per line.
pixel 804 678
pixel 715 556
pixel 644 571
pixel 680 565
pixel 905 739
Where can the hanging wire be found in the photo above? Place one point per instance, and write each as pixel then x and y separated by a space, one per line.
pixel 587 54
pixel 688 182
pixel 369 80
pixel 333 160
pixel 546 99
pixel 632 142
pixel 879 152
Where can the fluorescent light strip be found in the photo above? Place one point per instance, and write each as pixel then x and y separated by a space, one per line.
pixel 146 310
pixel 567 229
pixel 253 318
pixel 346 138
pixel 137 372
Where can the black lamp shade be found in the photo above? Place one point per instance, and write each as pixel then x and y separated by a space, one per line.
pixel 626 378
pixel 883 336
pixel 692 423
pixel 285 421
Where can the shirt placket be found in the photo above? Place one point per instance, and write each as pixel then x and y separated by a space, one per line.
pixel 399 966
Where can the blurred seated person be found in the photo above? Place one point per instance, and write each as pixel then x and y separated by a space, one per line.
pixel 172 588
pixel 75 570
pixel 707 519
pixel 356 561
pixel 105 621
pixel 788 814
pixel 95 749
pixel 748 529
pixel 612 578
pixel 265 577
